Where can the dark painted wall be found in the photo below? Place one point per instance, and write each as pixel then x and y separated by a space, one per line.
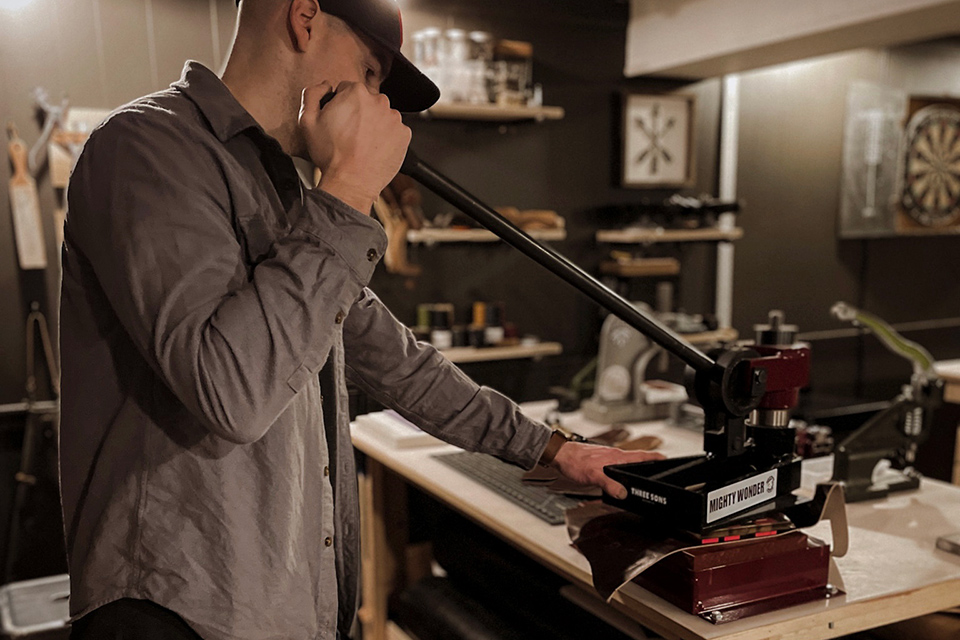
pixel 789 175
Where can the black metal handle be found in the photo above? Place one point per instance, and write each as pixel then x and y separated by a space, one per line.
pixel 556 263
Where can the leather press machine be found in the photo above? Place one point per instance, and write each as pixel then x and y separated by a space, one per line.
pixel 749 467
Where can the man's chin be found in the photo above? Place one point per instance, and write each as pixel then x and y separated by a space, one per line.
pixel 299 149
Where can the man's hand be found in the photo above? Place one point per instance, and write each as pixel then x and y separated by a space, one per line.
pixel 357 141
pixel 584 463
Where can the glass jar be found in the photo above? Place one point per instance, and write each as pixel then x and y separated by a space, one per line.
pixel 481 55
pixel 513 72
pixel 456 72
pixel 428 54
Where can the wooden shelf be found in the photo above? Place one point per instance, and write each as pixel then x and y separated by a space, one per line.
pixel 22 408
pixel 641 267
pixel 709 337
pixel 461 355
pixel 491 112
pixel 630 236
pixel 431 236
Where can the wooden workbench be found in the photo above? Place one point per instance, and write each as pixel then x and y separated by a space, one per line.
pixel 891 573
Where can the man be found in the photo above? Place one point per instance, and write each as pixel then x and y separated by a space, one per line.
pixel 211 309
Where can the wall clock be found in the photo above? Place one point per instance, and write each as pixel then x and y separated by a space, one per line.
pixel 657 141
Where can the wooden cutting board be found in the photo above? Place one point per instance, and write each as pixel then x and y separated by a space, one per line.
pixel 25 207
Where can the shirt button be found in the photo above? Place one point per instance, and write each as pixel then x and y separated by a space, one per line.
pixel 326 472
pixel 372 255
pixel 339 318
pixel 328 541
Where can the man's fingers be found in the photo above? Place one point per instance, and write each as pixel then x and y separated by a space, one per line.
pixel 312 97
pixel 642 456
pixel 615 489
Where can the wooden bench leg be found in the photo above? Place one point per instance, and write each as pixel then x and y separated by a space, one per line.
pixel 384 536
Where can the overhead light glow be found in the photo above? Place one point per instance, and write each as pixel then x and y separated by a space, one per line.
pixel 13 5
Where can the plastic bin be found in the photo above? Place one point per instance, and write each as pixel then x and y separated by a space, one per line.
pixel 36 608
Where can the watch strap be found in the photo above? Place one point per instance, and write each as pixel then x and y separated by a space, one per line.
pixel 557 440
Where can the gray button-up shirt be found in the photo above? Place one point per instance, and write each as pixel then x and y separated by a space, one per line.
pixel 203 290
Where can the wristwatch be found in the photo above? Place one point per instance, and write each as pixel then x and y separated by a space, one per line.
pixel 557 439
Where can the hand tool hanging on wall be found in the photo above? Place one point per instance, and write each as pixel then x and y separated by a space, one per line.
pixel 41 421
pixel 30 242
pixel 53 117
pixel 25 207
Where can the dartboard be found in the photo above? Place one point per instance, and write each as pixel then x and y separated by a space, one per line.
pixel 931 178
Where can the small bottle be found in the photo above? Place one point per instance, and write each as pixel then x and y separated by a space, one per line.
pixel 475 332
pixel 461 336
pixel 511 335
pixel 441 335
pixel 493 329
pixel 476 337
pixel 423 315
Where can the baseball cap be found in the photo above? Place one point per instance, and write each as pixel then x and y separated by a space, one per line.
pixel 406 86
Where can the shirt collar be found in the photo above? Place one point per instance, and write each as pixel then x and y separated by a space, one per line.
pixel 226 116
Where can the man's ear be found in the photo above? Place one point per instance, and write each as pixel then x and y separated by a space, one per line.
pixel 303 20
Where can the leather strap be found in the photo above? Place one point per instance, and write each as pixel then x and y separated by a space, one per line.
pixel 557 440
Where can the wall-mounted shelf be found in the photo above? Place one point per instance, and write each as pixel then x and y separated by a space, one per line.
pixel 709 337
pixel 431 236
pixel 461 355
pixel 491 112
pixel 641 267
pixel 630 236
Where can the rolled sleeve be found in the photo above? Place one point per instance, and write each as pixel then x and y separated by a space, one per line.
pixel 356 237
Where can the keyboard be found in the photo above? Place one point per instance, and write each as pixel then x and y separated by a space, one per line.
pixel 505 479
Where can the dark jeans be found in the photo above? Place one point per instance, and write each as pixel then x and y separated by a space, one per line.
pixel 130 619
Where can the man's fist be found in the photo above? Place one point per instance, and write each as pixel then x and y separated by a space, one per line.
pixel 584 463
pixel 357 141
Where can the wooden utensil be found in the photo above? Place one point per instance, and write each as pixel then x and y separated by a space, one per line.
pixel 25 207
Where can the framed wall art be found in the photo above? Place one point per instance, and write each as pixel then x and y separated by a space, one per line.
pixel 657 141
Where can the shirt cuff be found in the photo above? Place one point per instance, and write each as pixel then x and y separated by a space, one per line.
pixel 356 237
pixel 527 447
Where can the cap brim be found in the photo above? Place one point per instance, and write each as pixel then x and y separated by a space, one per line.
pixel 408 88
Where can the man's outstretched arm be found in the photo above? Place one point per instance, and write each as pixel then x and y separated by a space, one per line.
pixel 413 378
